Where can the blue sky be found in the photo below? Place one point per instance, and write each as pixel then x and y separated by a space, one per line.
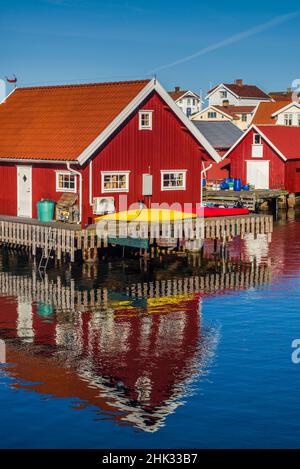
pixel 69 41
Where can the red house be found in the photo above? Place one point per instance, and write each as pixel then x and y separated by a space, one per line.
pixel 98 140
pixel 268 157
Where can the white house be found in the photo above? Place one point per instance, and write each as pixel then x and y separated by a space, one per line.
pixel 188 101
pixel 288 115
pixel 236 94
pixel 277 113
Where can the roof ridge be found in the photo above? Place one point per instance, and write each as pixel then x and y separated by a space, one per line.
pixel 84 85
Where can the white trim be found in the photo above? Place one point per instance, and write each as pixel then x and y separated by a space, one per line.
pixel 65 173
pixel 255 111
pixel 18 191
pixel 172 171
pixel 130 108
pixel 106 173
pixel 253 138
pixel 285 108
pixel 114 125
pixel 91 183
pixel 256 129
pixel 187 122
pixel 80 189
pixel 6 97
pixel 149 113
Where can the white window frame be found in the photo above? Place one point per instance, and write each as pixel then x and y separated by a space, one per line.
pixel 114 173
pixel 254 135
pixel 172 171
pixel 66 173
pixel 244 117
pixel 223 94
pixel 209 116
pixel 288 118
pixel 149 113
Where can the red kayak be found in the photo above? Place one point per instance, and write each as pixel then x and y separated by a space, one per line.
pixel 208 212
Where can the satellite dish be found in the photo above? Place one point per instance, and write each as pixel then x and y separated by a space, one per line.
pixel 11 80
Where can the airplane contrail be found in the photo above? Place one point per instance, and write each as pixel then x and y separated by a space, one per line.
pixel 231 40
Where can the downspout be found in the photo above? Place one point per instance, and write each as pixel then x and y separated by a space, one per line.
pixel 201 181
pixel 80 189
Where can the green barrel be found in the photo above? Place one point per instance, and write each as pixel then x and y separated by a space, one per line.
pixel 45 209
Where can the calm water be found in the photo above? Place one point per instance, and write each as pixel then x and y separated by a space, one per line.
pixel 186 352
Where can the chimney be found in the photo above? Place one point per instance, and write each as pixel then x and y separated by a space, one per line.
pixel 238 82
pixel 225 103
pixel 177 89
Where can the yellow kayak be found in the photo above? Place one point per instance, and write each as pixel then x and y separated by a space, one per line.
pixel 147 215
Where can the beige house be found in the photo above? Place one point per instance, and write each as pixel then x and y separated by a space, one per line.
pixel 241 116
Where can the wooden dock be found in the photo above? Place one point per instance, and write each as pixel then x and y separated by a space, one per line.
pixel 249 199
pixel 69 239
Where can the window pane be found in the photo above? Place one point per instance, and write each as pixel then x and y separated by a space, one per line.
pixel 173 180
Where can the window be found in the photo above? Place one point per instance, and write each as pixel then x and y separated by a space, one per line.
pixel 256 139
pixel 194 102
pixel 145 120
pixel 173 180
pixel 244 117
pixel 115 181
pixel 211 115
pixel 65 181
pixel 188 101
pixel 223 94
pixel 288 119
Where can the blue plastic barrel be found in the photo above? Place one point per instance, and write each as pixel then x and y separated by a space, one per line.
pixel 237 185
pixel 246 187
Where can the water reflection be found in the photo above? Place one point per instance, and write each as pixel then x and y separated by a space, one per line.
pixel 127 336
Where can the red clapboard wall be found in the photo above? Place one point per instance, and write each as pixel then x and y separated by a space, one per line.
pixel 169 145
pixel 243 151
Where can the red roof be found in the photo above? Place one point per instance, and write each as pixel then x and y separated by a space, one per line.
pixel 263 114
pixel 59 122
pixel 281 95
pixel 285 138
pixel 178 94
pixel 244 91
pixel 234 110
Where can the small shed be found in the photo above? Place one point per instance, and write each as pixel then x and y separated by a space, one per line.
pixel 267 157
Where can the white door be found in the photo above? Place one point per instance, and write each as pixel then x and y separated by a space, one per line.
pixel 24 191
pixel 258 174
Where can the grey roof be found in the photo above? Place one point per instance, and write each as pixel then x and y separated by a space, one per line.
pixel 219 134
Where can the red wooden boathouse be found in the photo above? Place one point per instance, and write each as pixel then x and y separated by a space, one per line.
pixel 268 157
pixel 98 140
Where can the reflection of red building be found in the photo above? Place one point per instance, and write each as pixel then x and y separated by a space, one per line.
pixel 132 362
pixel 282 248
